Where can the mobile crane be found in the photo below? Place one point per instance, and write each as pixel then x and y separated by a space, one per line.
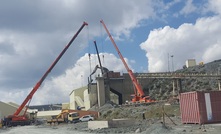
pixel 139 95
pixel 17 118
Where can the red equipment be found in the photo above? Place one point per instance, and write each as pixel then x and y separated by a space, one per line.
pixel 139 95
pixel 16 119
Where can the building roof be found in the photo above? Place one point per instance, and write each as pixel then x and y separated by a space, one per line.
pixel 48 107
pixel 48 113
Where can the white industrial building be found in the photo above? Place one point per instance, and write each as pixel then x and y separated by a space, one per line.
pixel 95 94
pixel 82 98
pixel 190 63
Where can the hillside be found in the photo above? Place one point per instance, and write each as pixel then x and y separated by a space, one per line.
pixel 161 89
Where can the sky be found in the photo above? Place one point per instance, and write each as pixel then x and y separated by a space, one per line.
pixel 152 36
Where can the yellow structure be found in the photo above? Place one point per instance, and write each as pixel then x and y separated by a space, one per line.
pixel 77 98
pixel 201 63
pixel 82 98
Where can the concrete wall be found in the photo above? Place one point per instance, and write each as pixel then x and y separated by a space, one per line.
pixel 93 95
pixel 72 100
pixel 87 103
pixel 97 124
pixel 125 86
pixel 77 92
pixel 110 124
pixel 118 85
pixel 100 91
pixel 88 96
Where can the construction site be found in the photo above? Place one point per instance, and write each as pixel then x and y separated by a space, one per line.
pixel 182 101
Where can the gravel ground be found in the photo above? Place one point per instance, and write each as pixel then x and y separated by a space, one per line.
pixel 142 127
pixel 152 125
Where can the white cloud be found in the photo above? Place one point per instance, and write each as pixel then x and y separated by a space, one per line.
pixel 214 5
pixel 200 41
pixel 188 8
pixel 57 89
pixel 7 96
pixel 172 3
pixel 34 34
pixel 213 52
pixel 126 18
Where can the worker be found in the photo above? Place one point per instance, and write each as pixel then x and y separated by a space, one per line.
pixel 144 116
pixel 1 123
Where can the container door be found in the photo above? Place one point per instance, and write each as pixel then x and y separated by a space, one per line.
pixel 208 107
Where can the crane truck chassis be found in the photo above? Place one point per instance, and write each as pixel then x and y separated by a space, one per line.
pixel 65 117
pixel 22 119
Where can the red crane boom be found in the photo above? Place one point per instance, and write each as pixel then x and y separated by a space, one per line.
pixel 140 96
pixel 19 118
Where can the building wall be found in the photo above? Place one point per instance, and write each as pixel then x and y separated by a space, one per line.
pixel 101 91
pixel 8 109
pixel 125 86
pixel 65 105
pixel 118 85
pixel 128 88
pixel 121 84
pixel 89 97
pixel 93 95
pixel 87 103
pixel 77 93
pixel 190 63
pixel 72 100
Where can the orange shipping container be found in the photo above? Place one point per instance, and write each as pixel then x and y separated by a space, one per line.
pixel 200 107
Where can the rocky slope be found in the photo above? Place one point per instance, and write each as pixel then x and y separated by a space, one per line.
pixel 161 89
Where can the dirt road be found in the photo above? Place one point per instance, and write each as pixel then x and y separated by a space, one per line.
pixel 146 127
pixel 46 129
pixel 78 128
